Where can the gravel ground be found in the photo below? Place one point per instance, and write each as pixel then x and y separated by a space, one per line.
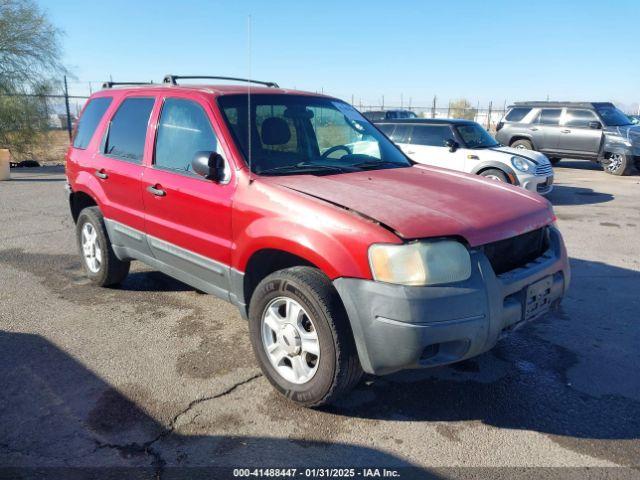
pixel 155 375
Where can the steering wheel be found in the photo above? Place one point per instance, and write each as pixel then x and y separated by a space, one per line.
pixel 329 151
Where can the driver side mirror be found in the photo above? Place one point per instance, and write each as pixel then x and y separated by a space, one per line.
pixel 451 144
pixel 595 125
pixel 209 165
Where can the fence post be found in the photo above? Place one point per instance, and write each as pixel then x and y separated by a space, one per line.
pixel 66 104
pixel 433 108
pixel 489 116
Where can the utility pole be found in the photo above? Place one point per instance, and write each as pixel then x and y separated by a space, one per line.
pixel 401 101
pixel 489 116
pixel 433 108
pixel 66 104
pixel 382 102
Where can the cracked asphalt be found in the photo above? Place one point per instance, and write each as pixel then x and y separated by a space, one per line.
pixel 155 375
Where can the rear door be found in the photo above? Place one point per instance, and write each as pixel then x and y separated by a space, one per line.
pixel 188 217
pixel 118 167
pixel 578 138
pixel 428 146
pixel 546 130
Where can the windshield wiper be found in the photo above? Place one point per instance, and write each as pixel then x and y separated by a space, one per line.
pixel 302 167
pixel 375 163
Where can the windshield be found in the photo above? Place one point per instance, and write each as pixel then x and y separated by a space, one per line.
pixel 612 117
pixel 295 134
pixel 474 136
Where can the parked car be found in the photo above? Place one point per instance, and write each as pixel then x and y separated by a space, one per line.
pixel 465 146
pixel 590 130
pixel 377 115
pixel 342 262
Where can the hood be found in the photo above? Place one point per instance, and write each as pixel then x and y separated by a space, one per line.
pixel 631 133
pixel 536 157
pixel 422 202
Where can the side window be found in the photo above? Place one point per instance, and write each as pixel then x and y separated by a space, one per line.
pixel 402 134
pixel 386 128
pixel 549 116
pixel 183 130
pixel 516 114
pixel 431 135
pixel 579 118
pixel 93 113
pixel 128 129
pixel 277 131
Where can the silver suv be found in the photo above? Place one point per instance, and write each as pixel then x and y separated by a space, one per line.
pixel 594 131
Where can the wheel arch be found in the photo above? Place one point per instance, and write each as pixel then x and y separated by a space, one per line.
pixel 508 171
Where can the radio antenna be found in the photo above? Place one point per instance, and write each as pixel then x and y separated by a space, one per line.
pixel 249 95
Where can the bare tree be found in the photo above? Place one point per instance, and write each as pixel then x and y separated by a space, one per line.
pixel 462 108
pixel 30 50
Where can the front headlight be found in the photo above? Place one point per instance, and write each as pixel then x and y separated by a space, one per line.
pixel 522 164
pixel 420 263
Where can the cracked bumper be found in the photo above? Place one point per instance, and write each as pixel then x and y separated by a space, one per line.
pixel 397 327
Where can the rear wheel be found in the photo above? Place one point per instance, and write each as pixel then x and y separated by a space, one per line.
pixel 100 262
pixel 617 164
pixel 301 336
pixel 495 174
pixel 522 144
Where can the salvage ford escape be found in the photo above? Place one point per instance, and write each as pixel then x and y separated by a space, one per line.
pixel 343 254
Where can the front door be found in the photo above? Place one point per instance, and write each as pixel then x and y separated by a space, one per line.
pixel 428 144
pixel 579 138
pixel 188 217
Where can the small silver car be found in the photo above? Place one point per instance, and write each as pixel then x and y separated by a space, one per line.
pixel 465 146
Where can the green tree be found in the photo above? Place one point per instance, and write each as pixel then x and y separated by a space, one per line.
pixel 462 108
pixel 30 51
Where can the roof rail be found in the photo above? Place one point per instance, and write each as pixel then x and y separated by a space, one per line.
pixel 172 79
pixel 113 84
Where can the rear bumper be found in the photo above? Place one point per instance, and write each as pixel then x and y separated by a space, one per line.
pixel 397 327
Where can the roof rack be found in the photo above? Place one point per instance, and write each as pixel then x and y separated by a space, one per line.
pixel 172 79
pixel 113 84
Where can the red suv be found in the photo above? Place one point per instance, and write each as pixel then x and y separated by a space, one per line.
pixel 343 254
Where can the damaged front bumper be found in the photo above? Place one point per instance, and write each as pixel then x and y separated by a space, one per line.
pixel 397 327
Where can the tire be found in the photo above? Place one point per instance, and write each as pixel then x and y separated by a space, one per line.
pixel 336 369
pixel 618 164
pixel 637 163
pixel 524 144
pixel 555 160
pixel 495 174
pixel 109 270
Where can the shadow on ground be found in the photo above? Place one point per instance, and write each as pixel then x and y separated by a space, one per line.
pixel 569 195
pixel 56 414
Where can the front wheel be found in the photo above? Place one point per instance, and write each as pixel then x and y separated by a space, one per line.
pixel 555 160
pixel 617 164
pixel 495 174
pixel 301 336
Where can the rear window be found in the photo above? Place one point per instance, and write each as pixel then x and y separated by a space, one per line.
pixel 549 116
pixel 93 113
pixel 128 129
pixel 432 135
pixel 516 114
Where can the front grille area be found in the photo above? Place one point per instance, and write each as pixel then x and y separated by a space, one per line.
pixel 515 252
pixel 544 169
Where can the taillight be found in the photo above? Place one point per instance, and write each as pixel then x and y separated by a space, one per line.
pixel 499 126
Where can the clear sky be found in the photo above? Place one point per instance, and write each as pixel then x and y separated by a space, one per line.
pixel 482 50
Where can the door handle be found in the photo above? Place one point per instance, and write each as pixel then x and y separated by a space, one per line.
pixel 533 129
pixel 156 190
pixel 409 152
pixel 565 131
pixel 101 174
